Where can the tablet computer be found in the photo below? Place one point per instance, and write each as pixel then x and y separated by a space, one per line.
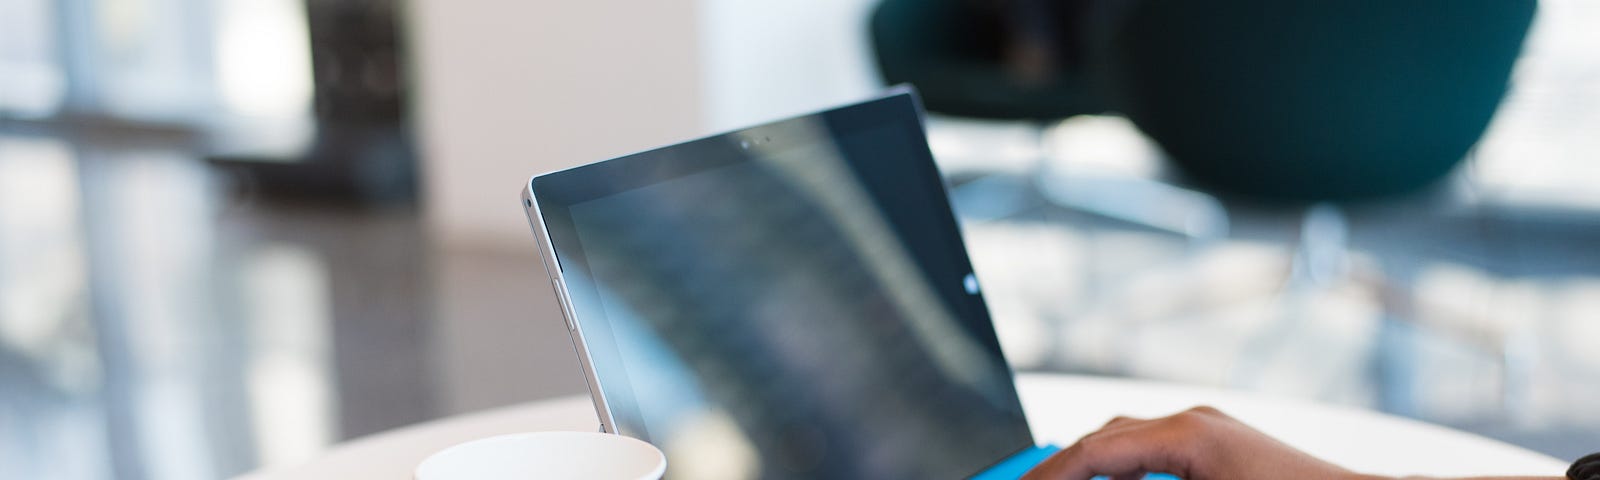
pixel 790 300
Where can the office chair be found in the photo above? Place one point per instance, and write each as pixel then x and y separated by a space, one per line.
pixel 1026 61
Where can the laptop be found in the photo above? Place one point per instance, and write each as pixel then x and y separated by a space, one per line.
pixel 790 300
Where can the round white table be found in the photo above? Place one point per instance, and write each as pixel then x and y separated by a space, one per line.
pixel 1060 408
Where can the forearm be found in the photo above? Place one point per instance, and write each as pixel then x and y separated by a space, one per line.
pixel 1379 477
pixel 1204 443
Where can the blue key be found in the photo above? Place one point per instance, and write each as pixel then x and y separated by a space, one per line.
pixel 1015 466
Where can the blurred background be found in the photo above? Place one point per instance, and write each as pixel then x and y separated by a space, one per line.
pixel 236 232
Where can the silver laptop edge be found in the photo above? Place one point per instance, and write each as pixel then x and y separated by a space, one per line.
pixel 552 268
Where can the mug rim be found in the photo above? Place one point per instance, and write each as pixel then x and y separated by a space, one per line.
pixel 655 473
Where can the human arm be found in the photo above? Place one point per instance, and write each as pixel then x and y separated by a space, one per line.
pixel 1197 444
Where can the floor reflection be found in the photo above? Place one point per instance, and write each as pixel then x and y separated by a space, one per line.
pixel 153 302
pixel 286 307
pixel 155 325
pixel 49 368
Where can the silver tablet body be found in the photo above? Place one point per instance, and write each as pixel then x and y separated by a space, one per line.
pixel 790 300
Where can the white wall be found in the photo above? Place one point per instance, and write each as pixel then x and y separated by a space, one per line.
pixel 508 89
pixel 770 59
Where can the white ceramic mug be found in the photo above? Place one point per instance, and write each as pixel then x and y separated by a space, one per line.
pixel 546 455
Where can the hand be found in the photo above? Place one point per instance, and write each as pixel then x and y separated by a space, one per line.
pixel 1198 444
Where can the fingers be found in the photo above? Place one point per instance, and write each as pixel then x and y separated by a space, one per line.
pixel 1207 410
pixel 1054 466
pixel 1120 421
pixel 1198 443
pixel 1122 451
pixel 1125 448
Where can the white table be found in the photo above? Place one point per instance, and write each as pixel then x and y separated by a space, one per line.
pixel 1061 408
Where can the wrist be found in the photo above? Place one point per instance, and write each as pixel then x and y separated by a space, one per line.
pixel 1363 476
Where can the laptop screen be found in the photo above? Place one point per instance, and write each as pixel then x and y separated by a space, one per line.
pixel 789 301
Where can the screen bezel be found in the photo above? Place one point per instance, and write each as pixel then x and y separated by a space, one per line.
pixel 549 198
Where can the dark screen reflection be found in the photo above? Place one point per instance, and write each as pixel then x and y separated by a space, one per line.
pixel 774 323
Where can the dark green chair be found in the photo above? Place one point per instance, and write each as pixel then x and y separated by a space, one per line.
pixel 953 51
pixel 1281 99
pixel 1315 99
